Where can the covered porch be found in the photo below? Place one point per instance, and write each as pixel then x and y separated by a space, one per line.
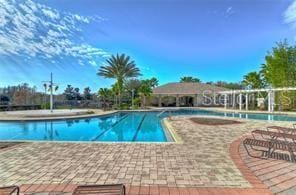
pixel 186 95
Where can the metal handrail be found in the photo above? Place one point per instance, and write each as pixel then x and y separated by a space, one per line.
pixel 161 113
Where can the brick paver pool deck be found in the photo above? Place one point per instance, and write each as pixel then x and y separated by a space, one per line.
pixel 207 162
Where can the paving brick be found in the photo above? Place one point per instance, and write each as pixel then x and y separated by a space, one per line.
pixel 205 158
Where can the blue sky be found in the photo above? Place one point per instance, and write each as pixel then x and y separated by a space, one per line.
pixel 209 39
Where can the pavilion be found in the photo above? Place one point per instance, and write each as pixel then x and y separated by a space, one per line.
pixel 185 94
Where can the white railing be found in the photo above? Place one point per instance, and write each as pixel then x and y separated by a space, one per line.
pixel 161 113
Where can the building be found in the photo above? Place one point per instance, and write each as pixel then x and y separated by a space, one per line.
pixel 186 94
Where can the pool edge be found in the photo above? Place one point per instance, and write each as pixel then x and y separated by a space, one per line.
pixel 168 128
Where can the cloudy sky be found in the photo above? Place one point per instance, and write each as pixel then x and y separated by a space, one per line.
pixel 210 39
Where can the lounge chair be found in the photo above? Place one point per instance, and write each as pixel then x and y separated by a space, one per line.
pixel 274 135
pixel 114 189
pixel 269 147
pixel 282 129
pixel 9 190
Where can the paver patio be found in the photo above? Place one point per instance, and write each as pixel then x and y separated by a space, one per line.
pixel 202 160
pixel 278 175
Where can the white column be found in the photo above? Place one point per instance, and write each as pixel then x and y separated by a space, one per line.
pixel 159 101
pixel 272 102
pixel 269 101
pixel 177 101
pixel 225 101
pixel 247 101
pixel 240 101
pixel 195 99
pixel 233 100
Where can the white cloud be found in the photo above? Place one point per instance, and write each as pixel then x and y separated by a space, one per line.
pixel 51 14
pixel 290 15
pixel 29 29
pixel 229 12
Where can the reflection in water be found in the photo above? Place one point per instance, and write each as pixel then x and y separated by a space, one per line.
pixel 110 123
pixel 105 124
pixel 50 132
pixel 87 120
pixel 69 123
pixel 25 128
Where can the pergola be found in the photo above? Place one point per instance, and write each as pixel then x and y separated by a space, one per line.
pixel 232 94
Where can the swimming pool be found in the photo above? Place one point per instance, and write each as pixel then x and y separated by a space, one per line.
pixel 117 127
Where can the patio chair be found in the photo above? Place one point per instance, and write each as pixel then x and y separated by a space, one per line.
pixel 9 190
pixel 114 189
pixel 274 135
pixel 269 147
pixel 282 129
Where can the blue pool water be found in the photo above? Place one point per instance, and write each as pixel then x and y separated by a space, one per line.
pixel 121 127
pixel 118 127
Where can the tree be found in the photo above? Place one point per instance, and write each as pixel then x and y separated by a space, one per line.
pixel 104 93
pixel 132 84
pixel 279 69
pixel 132 87
pixel 115 91
pixel 20 97
pixel 87 93
pixel 228 85
pixel 77 94
pixel 145 89
pixel 119 67
pixel 154 82
pixel 69 92
pixel 4 100
pixel 189 79
pixel 253 80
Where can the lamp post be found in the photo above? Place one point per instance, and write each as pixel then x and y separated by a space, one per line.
pixel 133 93
pixel 50 85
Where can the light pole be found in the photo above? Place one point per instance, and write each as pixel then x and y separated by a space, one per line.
pixel 51 93
pixel 45 89
pixel 51 85
pixel 133 91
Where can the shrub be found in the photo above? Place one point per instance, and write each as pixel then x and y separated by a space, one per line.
pixel 45 105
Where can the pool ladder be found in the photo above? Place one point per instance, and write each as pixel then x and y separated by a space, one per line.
pixel 161 113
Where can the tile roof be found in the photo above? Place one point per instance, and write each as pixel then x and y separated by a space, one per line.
pixel 186 88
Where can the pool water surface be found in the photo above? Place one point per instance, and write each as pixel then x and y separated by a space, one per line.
pixel 134 126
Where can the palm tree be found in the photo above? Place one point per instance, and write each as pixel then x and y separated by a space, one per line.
pixel 145 90
pixel 114 91
pixel 119 67
pixel 154 82
pixel 187 79
pixel 104 93
pixel 253 80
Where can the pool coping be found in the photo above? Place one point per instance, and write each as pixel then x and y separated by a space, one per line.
pixel 56 118
pixel 237 111
pixel 106 113
pixel 168 128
